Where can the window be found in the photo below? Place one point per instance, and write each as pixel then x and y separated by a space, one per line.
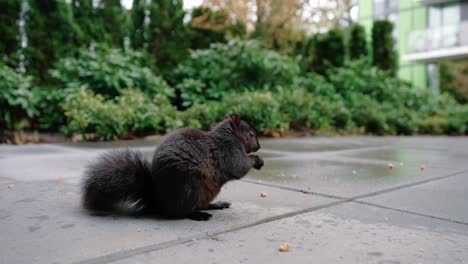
pixel 444 15
pixel 444 22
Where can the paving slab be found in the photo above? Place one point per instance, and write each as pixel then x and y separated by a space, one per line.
pixel 136 143
pixel 446 198
pixel 430 142
pixel 348 233
pixel 309 144
pixel 7 151
pixel 42 221
pixel 318 144
pixel 39 167
pixel 430 157
pixel 341 178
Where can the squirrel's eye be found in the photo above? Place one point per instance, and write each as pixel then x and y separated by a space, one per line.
pixel 252 134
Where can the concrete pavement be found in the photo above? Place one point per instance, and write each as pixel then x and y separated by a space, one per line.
pixel 335 200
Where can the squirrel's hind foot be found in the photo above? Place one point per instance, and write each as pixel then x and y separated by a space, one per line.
pixel 200 216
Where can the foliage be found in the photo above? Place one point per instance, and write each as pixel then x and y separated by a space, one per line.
pixel 113 17
pixel 449 120
pixel 238 29
pixel 51 33
pixel 281 23
pixel 260 109
pixel 47 102
pixel 453 79
pixel 202 116
pixel 382 104
pixel 328 51
pixel 10 43
pixel 98 86
pixel 165 35
pixel 107 71
pixel 208 26
pixel 89 20
pixel 357 42
pixel 304 109
pixel 233 67
pixel 314 84
pixel 383 46
pixel 139 30
pixel 17 101
pixel 131 112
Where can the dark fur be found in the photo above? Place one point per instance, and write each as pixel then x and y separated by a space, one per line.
pixel 187 172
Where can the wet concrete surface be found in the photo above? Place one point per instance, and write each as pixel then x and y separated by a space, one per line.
pixel 361 235
pixel 334 199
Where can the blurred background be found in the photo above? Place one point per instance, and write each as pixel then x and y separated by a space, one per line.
pixel 111 69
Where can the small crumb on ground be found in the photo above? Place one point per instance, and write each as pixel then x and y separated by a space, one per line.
pixel 285 247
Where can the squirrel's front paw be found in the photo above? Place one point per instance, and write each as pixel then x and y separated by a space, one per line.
pixel 258 163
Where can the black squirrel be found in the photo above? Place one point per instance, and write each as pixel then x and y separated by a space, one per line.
pixel 187 172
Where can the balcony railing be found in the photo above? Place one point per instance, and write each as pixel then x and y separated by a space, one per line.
pixel 433 39
pixel 431 2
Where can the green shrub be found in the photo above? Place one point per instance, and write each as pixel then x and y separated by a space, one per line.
pixel 450 118
pixel 328 51
pixel 458 119
pixel 314 84
pixel 304 109
pixel 48 99
pixel 207 26
pixel 357 42
pixel 358 77
pixel 107 71
pixel 453 79
pixel 297 106
pixel 158 27
pixel 368 114
pixel 402 121
pixel 380 103
pixel 260 109
pixel 237 66
pixel 131 112
pixel 88 113
pixel 383 46
pixel 203 116
pixel 17 100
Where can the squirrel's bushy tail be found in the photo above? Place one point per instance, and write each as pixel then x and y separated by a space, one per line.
pixel 119 179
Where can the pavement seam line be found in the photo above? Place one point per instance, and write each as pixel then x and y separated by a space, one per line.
pixel 289 154
pixel 355 199
pixel 403 186
pixel 408 185
pixel 159 246
pixel 282 187
pixel 410 212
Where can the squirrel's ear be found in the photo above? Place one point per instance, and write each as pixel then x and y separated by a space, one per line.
pixel 236 119
pixel 226 117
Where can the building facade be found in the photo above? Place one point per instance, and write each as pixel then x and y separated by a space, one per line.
pixel 426 32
